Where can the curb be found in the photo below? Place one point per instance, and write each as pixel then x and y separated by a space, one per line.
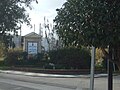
pixel 50 75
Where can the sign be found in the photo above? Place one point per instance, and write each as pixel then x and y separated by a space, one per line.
pixel 32 48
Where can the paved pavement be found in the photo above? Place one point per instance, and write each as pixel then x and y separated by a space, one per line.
pixel 50 75
pixel 77 82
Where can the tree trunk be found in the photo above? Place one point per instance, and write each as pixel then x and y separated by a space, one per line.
pixel 118 65
pixel 117 55
pixel 110 69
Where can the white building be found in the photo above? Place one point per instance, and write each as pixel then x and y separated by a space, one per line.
pixel 39 43
pixel 32 43
pixel 17 41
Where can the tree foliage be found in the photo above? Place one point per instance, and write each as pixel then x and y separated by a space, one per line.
pixel 2 50
pixel 12 15
pixel 90 22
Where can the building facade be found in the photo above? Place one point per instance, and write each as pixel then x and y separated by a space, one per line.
pixel 32 43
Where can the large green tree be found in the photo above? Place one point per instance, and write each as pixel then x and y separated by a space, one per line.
pixel 12 15
pixel 92 23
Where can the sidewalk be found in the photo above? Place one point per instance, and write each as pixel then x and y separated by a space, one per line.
pixel 50 75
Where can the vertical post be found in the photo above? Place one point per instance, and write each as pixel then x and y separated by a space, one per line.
pixel 34 27
pixel 110 70
pixel 92 68
pixel 40 32
pixel 20 30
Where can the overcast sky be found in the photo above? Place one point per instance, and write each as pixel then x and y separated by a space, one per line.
pixel 44 8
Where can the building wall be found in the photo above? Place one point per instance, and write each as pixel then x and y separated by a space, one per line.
pixel 32 38
pixel 37 40
pixel 17 41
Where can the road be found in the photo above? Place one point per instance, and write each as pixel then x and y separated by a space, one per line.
pixel 22 82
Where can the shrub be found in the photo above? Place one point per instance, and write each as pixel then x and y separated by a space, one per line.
pixel 71 58
pixel 65 58
pixel 15 58
pixel 35 59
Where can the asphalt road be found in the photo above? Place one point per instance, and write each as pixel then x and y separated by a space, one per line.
pixel 22 82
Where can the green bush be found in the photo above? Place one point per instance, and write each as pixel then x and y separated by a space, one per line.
pixel 35 59
pixel 1 63
pixel 70 58
pixel 15 58
pixel 65 58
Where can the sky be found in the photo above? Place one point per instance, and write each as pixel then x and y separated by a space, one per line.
pixel 44 8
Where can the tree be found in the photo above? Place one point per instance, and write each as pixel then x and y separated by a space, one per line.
pixel 2 50
pixel 12 15
pixel 91 23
